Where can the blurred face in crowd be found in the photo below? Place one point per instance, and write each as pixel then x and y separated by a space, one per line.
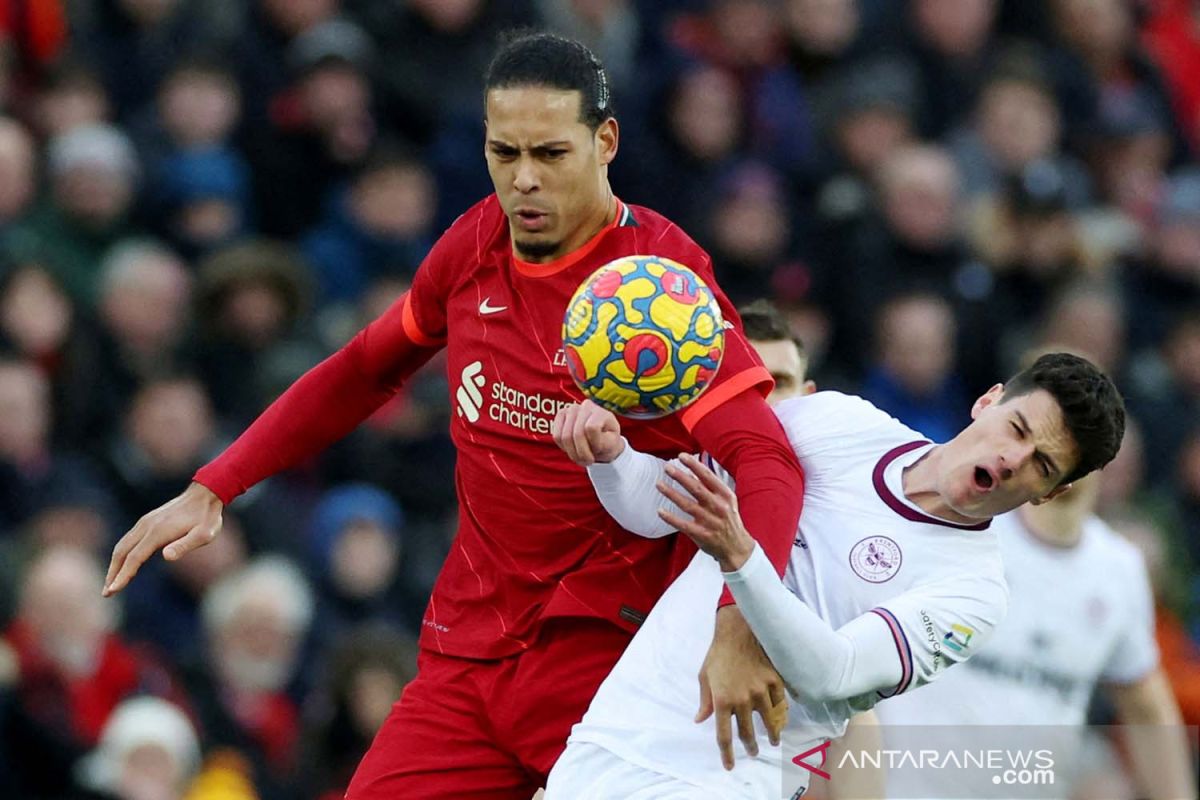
pixel 95 195
pixel 920 196
pixel 550 170
pixel 18 169
pixel 916 343
pixel 58 603
pixel 705 113
pixel 1122 477
pixel 1019 123
pixel 35 313
pixel 373 691
pixel 364 559
pixel 1177 246
pixel 198 108
pixel 24 412
pixel 1098 29
pixel 396 202
pixel 1131 170
pixel 148 12
pixel 254 313
pixel 822 27
pixel 1013 452
pixel 1045 245
pixel 78 526
pixel 956 28
pixel 256 650
pixel 150 772
pixel 751 225
pixel 1091 322
pixel 448 16
pixel 749 30
pixel 171 423
pixel 337 101
pixel 78 102
pixel 293 17
pixel 867 137
pixel 146 306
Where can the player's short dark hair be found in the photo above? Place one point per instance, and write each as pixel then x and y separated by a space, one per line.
pixel 762 321
pixel 1091 405
pixel 537 58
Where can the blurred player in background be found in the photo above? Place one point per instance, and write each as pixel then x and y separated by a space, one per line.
pixel 781 351
pixel 1080 614
pixel 542 590
pixel 893 542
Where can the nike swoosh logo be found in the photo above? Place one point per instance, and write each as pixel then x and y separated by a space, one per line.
pixel 485 308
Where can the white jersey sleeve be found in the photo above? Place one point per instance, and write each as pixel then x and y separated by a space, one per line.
pixel 1136 653
pixel 906 642
pixel 940 624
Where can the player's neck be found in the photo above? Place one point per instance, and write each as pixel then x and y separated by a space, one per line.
pixel 1057 527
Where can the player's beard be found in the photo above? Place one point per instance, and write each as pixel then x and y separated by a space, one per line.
pixel 532 250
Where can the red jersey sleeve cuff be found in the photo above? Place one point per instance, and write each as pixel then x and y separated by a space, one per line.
pixel 753 377
pixel 222 485
pixel 412 330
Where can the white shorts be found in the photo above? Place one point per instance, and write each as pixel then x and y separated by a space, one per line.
pixel 589 772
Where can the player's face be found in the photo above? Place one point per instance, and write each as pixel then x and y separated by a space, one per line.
pixel 782 359
pixel 1013 452
pixel 549 169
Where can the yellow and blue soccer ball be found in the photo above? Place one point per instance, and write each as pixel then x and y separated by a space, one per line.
pixel 643 336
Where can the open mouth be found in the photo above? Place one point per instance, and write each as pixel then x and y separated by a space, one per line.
pixel 983 479
pixel 530 219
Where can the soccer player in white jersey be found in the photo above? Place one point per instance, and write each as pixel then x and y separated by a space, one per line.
pixel 892 553
pixel 1080 614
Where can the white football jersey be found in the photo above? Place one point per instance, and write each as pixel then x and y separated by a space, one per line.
pixel 861 548
pixel 1077 616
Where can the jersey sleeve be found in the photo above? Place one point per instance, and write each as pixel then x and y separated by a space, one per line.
pixel 1135 654
pixel 935 626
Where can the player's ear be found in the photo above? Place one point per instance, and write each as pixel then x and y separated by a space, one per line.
pixel 990 397
pixel 808 387
pixel 1055 492
pixel 608 136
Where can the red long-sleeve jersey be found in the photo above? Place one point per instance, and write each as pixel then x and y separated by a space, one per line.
pixel 533 541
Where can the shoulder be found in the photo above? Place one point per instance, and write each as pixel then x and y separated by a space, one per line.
pixel 664 237
pixel 835 414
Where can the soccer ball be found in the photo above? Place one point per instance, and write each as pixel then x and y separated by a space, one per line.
pixel 643 336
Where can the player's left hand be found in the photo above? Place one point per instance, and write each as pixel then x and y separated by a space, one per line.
pixel 737 680
pixel 715 525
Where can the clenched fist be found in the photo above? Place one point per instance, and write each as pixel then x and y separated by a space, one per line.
pixel 587 433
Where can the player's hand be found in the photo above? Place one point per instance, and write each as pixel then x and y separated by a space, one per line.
pixel 191 520
pixel 587 433
pixel 737 680
pixel 715 524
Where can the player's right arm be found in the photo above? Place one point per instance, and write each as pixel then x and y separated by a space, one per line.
pixel 325 404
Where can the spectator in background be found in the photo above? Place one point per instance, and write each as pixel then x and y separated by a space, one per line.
pixel 914 239
pixel 1088 317
pixel 821 35
pixel 355 536
pixel 93 175
pixel 610 28
pixel 199 192
pixel 322 133
pixel 913 377
pixel 749 232
pixel 148 750
pixel 74 670
pixel 364 674
pixel 18 173
pixel 255 622
pixel 696 131
pixel 1163 282
pixel 1171 404
pixel 953 46
pixel 168 432
pixel 1130 150
pixel 380 225
pixel 134 43
pixel 250 300
pixel 1016 124
pixel 72 95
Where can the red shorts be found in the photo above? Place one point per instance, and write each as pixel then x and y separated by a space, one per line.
pixel 470 730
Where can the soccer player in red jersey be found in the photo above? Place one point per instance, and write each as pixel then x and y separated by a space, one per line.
pixel 542 590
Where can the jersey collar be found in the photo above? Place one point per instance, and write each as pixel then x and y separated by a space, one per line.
pixel 898 505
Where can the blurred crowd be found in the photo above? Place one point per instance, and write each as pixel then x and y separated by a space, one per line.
pixel 200 199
